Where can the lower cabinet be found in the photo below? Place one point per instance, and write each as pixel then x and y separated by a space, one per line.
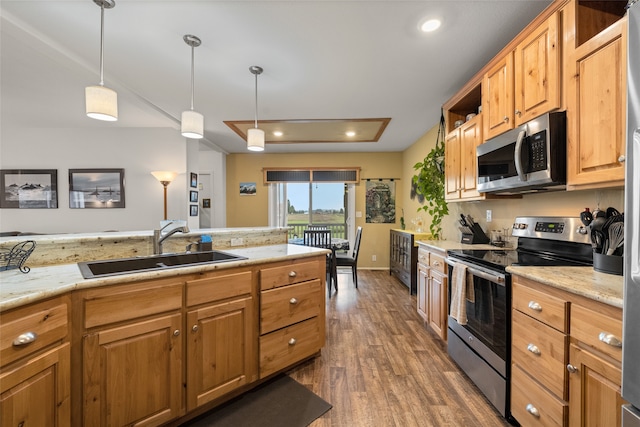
pixel 433 290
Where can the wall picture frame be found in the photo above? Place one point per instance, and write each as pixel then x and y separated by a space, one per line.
pixel 28 189
pixel 206 203
pixel 193 196
pixel 96 188
pixel 193 211
pixel 248 189
pixel 193 182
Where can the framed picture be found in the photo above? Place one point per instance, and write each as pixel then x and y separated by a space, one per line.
pixel 247 188
pixel 193 196
pixel 29 188
pixel 194 180
pixel 194 210
pixel 96 188
pixel 206 203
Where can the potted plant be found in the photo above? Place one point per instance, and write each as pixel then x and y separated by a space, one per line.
pixel 429 183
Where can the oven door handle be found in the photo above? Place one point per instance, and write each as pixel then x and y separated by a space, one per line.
pixel 492 277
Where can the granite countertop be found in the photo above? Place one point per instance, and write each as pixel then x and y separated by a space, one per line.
pixel 450 245
pixel 17 289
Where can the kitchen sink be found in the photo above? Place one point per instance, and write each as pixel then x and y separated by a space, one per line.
pixel 112 267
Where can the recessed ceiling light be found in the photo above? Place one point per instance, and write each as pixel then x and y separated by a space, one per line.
pixel 277 133
pixel 350 133
pixel 430 25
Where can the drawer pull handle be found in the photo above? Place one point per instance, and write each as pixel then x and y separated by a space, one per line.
pixel 436 263
pixel 292 341
pixel 535 306
pixel 610 339
pixel 24 339
pixel 534 349
pixel 176 332
pixel 194 328
pixel 533 410
pixel 292 274
pixel 293 301
pixel 572 369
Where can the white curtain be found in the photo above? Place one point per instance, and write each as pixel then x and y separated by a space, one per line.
pixel 278 205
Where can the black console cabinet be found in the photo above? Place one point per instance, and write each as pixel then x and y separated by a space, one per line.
pixel 404 256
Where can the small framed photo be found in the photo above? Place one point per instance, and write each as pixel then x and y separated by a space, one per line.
pixel 194 210
pixel 247 188
pixel 206 203
pixel 193 196
pixel 194 180
pixel 96 188
pixel 29 188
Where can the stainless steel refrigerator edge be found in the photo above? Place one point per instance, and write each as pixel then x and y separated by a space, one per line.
pixel 631 309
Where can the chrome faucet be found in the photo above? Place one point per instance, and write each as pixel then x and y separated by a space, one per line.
pixel 159 236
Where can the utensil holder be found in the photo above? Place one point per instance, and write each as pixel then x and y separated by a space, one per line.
pixel 610 264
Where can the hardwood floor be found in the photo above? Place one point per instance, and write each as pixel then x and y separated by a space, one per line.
pixel 382 366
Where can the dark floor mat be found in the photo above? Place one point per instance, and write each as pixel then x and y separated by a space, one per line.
pixel 281 401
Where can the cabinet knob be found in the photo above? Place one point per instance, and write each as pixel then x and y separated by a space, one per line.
pixel 610 339
pixel 518 112
pixel 572 369
pixel 293 301
pixel 622 158
pixel 533 410
pixel 506 119
pixel 534 349
pixel 176 332
pixel 292 341
pixel 292 274
pixel 535 306
pixel 24 339
pixel 436 263
pixel 194 328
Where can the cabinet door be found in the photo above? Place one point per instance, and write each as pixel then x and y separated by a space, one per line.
pixel 220 348
pixel 497 98
pixel 133 373
pixel 37 392
pixel 596 98
pixel 423 291
pixel 594 390
pixel 471 137
pixel 438 298
pixel 537 72
pixel 452 166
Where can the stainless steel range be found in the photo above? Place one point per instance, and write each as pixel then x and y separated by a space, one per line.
pixel 482 345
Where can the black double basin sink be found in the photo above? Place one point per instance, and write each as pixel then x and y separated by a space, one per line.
pixel 112 267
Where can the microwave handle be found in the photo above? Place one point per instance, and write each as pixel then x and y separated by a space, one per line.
pixel 517 159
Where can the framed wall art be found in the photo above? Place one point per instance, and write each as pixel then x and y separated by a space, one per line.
pixel 193 183
pixel 194 210
pixel 193 196
pixel 96 188
pixel 247 188
pixel 206 203
pixel 29 188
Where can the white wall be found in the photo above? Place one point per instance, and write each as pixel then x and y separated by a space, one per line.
pixel 138 151
pixel 214 163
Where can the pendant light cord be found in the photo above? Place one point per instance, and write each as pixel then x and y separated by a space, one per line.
pixel 256 117
pixel 192 74
pixel 102 45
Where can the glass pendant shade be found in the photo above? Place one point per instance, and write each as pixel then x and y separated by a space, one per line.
pixel 192 124
pixel 101 103
pixel 255 139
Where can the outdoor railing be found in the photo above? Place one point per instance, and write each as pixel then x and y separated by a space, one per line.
pixel 337 230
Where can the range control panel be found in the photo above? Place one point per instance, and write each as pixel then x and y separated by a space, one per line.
pixel 554 228
pixel 550 227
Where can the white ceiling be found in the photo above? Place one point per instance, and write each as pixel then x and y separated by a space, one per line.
pixel 321 59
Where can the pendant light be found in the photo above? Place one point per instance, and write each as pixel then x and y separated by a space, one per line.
pixel 192 121
pixel 255 136
pixel 101 102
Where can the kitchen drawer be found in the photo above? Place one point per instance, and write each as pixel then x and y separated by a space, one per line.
pixel 437 263
pixel 218 287
pixel 528 397
pixel 289 345
pixel 423 256
pixel 107 305
pixel 289 274
pixel 287 305
pixel 540 350
pixel 546 308
pixel 594 328
pixel 37 326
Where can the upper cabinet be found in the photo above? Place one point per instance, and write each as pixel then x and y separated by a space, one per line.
pixel 497 97
pixel 595 80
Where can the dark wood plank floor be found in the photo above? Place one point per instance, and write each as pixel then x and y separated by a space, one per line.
pixel 382 366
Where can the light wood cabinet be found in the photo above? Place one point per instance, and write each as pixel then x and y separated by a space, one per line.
pixel 433 292
pixel 461 171
pixel 497 97
pixel 35 365
pixel 595 70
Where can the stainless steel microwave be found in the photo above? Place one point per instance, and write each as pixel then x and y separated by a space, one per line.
pixel 527 159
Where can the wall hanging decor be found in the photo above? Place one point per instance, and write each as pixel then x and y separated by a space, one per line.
pixel 193 196
pixel 247 188
pixel 96 188
pixel 193 210
pixel 194 180
pixel 29 188
pixel 380 201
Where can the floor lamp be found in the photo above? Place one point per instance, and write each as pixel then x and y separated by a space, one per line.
pixel 165 178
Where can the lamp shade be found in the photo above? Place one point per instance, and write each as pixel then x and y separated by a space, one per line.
pixel 164 176
pixel 255 139
pixel 101 103
pixel 192 124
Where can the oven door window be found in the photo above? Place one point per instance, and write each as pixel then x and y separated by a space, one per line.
pixel 487 314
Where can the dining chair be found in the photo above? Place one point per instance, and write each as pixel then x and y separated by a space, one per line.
pixel 351 260
pixel 321 238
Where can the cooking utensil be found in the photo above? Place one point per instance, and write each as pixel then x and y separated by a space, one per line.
pixel 616 236
pixel 586 217
pixel 612 212
pixel 597 240
pixel 598 213
pixel 469 220
pixel 463 220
